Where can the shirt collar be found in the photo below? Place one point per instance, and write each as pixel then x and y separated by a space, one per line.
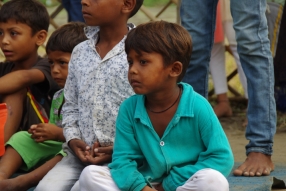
pixel 91 32
pixel 185 108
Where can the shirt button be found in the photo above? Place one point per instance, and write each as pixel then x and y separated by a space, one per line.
pixel 162 143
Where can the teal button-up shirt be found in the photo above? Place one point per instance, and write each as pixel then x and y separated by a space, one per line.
pixel 193 140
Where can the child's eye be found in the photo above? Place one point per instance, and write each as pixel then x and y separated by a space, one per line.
pixel 62 62
pixel 13 33
pixel 130 62
pixel 143 62
pixel 51 62
pixel 1 33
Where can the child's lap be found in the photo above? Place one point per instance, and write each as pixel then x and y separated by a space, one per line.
pixel 33 154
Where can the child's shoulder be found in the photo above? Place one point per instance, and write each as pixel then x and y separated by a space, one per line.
pixel 192 99
pixel 132 102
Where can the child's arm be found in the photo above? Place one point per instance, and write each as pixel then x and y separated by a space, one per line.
pixel 38 74
pixel 126 152
pixel 17 80
pixel 70 109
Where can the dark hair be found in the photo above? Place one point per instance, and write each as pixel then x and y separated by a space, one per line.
pixel 30 12
pixel 170 40
pixel 136 8
pixel 66 37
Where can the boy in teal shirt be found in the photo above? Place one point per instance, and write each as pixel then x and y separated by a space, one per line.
pixel 167 136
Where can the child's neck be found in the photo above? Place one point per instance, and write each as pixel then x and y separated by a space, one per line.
pixel 109 37
pixel 26 63
pixel 162 100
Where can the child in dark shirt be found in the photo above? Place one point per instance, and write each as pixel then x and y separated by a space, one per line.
pixel 41 147
pixel 26 85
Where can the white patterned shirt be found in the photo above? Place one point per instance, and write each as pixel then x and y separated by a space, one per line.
pixel 94 90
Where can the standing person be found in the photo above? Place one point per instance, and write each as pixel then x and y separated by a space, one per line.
pixel 250 25
pixel 39 149
pixel 217 69
pixel 95 88
pixel 229 32
pixel 167 136
pixel 73 8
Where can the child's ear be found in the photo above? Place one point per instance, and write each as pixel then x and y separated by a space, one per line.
pixel 128 6
pixel 176 69
pixel 41 37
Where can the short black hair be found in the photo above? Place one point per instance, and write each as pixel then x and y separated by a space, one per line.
pixel 136 8
pixel 30 12
pixel 170 40
pixel 66 37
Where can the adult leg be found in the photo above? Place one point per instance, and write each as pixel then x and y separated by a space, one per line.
pixel 73 8
pixel 198 17
pixel 64 175
pixel 254 50
pixel 205 180
pixel 96 178
pixel 230 35
pixel 217 69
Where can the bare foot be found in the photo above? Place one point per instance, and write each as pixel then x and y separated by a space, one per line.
pixel 223 109
pixel 256 164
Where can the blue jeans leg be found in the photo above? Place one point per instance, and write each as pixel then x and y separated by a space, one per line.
pixel 73 8
pixel 198 17
pixel 253 45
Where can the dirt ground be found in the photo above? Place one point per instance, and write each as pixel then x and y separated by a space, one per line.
pixel 235 132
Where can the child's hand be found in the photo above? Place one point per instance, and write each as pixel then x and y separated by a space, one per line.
pixel 45 131
pixel 99 155
pixel 159 187
pixel 80 148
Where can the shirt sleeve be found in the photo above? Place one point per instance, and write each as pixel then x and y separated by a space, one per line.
pixel 126 154
pixel 70 110
pixel 52 115
pixel 48 84
pixel 218 154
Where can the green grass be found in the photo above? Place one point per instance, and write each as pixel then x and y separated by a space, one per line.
pixel 151 3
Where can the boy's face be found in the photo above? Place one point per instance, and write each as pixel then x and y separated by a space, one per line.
pixel 17 42
pixel 59 66
pixel 98 12
pixel 147 73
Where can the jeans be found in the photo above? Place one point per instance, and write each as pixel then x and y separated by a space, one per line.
pixel 198 17
pixel 73 8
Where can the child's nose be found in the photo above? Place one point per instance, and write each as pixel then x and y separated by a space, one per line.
pixel 55 69
pixel 132 69
pixel 4 39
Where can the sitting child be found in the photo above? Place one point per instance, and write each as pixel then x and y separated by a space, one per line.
pixel 168 136
pixel 26 85
pixel 40 151
pixel 95 88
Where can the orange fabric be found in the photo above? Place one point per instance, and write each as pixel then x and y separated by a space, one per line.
pixel 3 118
pixel 218 35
